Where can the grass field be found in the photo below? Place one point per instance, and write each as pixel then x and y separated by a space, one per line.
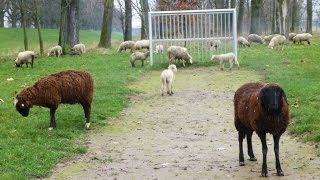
pixel 29 150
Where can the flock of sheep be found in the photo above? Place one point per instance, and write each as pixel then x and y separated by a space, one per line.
pixel 274 40
pixel 258 107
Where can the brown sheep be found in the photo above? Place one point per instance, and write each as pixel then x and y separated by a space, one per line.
pixel 68 87
pixel 262 108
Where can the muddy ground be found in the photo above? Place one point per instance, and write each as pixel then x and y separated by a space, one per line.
pixel 189 135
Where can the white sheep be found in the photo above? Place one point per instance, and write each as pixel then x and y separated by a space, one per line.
pixel 25 57
pixel 268 38
pixel 291 35
pixel 79 48
pixel 142 44
pixel 139 56
pixel 255 38
pixel 127 45
pixel 159 49
pixel 215 44
pixel 276 41
pixel 302 37
pixel 55 51
pixel 177 52
pixel 167 78
pixel 242 42
pixel 226 57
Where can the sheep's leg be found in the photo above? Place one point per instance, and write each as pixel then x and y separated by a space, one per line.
pixel 87 110
pixel 163 83
pixel 142 63
pixel 249 143
pixel 221 65
pixel 264 172
pixel 240 138
pixel 308 42
pixel 169 90
pixel 276 139
pixel 52 118
pixel 231 64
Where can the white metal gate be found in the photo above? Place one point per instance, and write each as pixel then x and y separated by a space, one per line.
pixel 202 32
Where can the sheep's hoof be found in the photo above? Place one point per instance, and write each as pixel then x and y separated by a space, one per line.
pixel 50 128
pixel 264 173
pixel 253 159
pixel 241 164
pixel 87 125
pixel 280 173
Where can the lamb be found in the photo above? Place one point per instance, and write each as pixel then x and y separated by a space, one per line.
pixel 126 45
pixel 242 42
pixel 56 50
pixel 25 57
pixel 291 35
pixel 142 44
pixel 79 48
pixel 177 52
pixel 70 86
pixel 268 38
pixel 262 108
pixel 255 38
pixel 215 44
pixel 167 78
pixel 302 37
pixel 226 57
pixel 139 56
pixel 277 40
pixel 159 49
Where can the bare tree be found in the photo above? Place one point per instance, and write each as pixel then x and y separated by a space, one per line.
pixel 37 23
pixel 22 7
pixel 13 12
pixel 309 16
pixel 121 15
pixel 2 12
pixel 128 20
pixel 294 14
pixel 256 6
pixel 105 37
pixel 142 8
pixel 240 16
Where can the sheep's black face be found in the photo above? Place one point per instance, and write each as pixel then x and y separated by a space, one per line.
pixel 18 65
pixel 271 99
pixel 21 106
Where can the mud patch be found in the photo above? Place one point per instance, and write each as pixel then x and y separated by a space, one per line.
pixel 189 135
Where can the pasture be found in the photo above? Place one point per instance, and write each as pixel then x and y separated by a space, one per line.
pixel 29 150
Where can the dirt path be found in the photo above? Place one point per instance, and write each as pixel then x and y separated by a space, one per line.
pixel 189 135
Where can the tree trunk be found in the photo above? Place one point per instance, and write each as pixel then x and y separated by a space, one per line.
pixel 37 24
pixel 144 20
pixel 309 16
pixel 70 25
pixel 128 21
pixel 23 23
pixel 294 14
pixel 62 21
pixel 255 16
pixel 105 37
pixel 240 16
pixel 1 18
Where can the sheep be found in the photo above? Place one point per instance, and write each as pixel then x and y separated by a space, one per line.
pixel 159 49
pixel 79 48
pixel 127 45
pixel 56 50
pixel 291 35
pixel 177 52
pixel 214 45
pixel 167 78
pixel 225 57
pixel 70 87
pixel 25 57
pixel 242 42
pixel 139 56
pixel 262 108
pixel 255 38
pixel 277 40
pixel 302 37
pixel 142 44
pixel 268 38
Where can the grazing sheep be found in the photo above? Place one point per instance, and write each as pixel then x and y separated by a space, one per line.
pixel 68 86
pixel 55 51
pixel 25 57
pixel 167 78
pixel 177 52
pixel 226 57
pixel 139 56
pixel 277 40
pixel 291 35
pixel 262 108
pixel 126 45
pixel 215 44
pixel 159 49
pixel 142 44
pixel 79 48
pixel 302 37
pixel 268 38
pixel 255 38
pixel 242 42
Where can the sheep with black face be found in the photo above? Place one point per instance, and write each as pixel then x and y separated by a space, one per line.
pixel 262 108
pixel 68 87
